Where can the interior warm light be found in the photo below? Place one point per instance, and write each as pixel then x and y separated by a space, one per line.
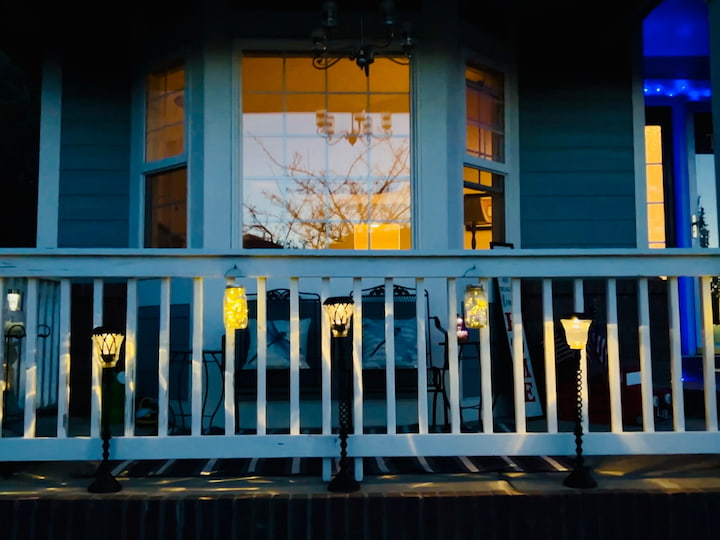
pixel 13 299
pixel 576 330
pixel 339 311
pixel 235 306
pixel 475 302
pixel 107 343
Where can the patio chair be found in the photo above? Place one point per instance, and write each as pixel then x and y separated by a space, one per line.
pixel 406 361
pixel 278 346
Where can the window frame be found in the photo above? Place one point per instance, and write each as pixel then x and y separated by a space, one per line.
pixel 504 65
pixel 141 169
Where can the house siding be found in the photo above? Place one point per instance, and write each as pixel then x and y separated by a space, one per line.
pixel 577 163
pixel 95 155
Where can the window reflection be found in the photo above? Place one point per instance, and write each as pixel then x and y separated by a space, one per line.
pixel 326 155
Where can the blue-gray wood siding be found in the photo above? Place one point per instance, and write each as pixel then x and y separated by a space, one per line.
pixel 577 168
pixel 95 154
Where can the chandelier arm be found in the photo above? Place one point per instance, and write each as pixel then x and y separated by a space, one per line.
pixel 405 62
pixel 323 62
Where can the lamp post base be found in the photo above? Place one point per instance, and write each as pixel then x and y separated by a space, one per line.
pixel 581 478
pixel 343 482
pixel 104 481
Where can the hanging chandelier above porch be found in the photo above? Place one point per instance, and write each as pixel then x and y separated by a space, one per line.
pixel 329 49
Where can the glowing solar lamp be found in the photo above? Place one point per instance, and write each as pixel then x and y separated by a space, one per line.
pixel 235 305
pixel 475 302
pixel 107 344
pixel 14 298
pixel 576 334
pixel 339 311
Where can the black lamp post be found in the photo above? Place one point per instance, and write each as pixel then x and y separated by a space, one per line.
pixel 107 344
pixel 576 333
pixel 339 310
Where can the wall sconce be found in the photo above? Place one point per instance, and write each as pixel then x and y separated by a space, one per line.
pixel 13 299
pixel 107 343
pixel 475 302
pixel 339 311
pixel 235 306
pixel 576 334
pixel 329 50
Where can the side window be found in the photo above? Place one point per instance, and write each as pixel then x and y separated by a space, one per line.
pixel 165 164
pixel 326 154
pixel 483 170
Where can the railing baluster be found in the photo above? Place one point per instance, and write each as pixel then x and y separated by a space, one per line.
pixel 64 360
pixel 518 358
pixel 325 351
pixel 164 358
pixel 294 357
pixel 678 401
pixel 30 358
pixel 131 328
pixel 453 363
pixel 422 345
pixel 486 389
pixel 196 370
pixel 709 370
pixel 96 388
pixel 390 356
pixel 549 341
pixel 358 394
pixel 261 340
pixel 613 351
pixel 645 355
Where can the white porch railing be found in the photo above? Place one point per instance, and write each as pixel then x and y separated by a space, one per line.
pixel 641 297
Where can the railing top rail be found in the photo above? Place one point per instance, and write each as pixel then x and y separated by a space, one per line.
pixel 525 263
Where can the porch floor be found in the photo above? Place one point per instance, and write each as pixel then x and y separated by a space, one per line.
pixel 636 497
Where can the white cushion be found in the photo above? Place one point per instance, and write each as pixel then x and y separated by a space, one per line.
pixel 278 344
pixel 373 338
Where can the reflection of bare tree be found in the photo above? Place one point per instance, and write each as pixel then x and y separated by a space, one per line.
pixel 322 210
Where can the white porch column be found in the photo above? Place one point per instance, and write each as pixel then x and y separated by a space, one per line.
pixel 49 159
pixel 438 85
pixel 218 140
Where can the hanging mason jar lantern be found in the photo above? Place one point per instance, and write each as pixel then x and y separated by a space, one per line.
pixel 235 306
pixel 475 303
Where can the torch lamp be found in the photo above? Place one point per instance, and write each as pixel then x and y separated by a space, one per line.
pixel 107 344
pixel 576 333
pixel 339 311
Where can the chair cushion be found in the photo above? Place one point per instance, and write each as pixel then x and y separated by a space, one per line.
pixel 374 343
pixel 278 344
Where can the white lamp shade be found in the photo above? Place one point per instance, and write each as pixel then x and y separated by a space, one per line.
pixel 576 331
pixel 475 303
pixel 235 307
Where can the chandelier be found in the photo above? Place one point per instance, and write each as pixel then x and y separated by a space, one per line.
pixel 362 127
pixel 329 50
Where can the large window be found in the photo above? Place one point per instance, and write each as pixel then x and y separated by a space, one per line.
pixel 483 179
pixel 326 154
pixel 165 159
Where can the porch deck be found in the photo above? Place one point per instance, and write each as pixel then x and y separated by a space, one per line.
pixel 637 497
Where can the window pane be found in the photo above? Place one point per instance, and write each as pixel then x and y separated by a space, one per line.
pixel 165 114
pixel 166 209
pixel 483 208
pixel 485 114
pixel 337 166
pixel 655 187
